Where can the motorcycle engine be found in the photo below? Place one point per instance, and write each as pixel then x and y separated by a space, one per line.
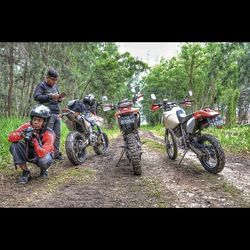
pixel 93 138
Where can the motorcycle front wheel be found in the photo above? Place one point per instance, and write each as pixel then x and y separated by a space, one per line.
pixel 75 148
pixel 214 161
pixel 171 144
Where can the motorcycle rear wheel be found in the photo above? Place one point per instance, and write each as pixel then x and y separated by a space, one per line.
pixel 134 152
pixel 214 161
pixel 76 153
pixel 171 144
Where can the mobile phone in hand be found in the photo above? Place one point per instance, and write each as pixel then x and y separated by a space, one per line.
pixel 63 94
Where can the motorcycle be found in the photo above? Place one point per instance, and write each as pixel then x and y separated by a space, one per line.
pixel 128 119
pixel 184 131
pixel 85 130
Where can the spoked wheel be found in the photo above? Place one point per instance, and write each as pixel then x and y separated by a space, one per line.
pixel 171 144
pixel 75 148
pixel 102 144
pixel 214 159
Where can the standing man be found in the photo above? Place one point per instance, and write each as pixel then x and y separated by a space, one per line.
pixel 47 93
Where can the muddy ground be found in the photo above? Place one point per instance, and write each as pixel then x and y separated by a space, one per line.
pixel 163 183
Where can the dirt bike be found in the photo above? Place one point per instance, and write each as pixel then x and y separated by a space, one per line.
pixel 128 119
pixel 85 130
pixel 184 131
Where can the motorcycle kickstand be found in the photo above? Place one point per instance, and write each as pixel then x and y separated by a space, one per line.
pixel 122 153
pixel 183 156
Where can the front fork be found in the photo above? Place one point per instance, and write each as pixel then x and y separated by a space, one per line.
pixel 100 132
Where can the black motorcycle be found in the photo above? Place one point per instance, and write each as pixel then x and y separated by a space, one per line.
pixel 85 130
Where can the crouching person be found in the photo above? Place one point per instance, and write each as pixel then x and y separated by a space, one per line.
pixel 33 142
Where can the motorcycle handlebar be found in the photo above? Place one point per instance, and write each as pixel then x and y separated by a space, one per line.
pixel 66 112
pixel 133 100
pixel 186 101
pixel 115 106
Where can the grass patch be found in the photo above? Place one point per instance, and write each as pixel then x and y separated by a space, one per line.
pixel 232 190
pixel 7 125
pixel 112 133
pixel 64 133
pixel 236 139
pixel 155 189
pixel 158 129
pixel 154 145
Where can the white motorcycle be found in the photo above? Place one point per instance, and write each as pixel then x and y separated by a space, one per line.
pixel 184 131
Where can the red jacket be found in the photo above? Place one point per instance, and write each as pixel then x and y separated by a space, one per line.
pixel 48 139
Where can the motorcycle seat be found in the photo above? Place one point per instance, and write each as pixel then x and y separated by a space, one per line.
pixel 183 118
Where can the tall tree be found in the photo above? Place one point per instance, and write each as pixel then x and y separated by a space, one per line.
pixel 11 76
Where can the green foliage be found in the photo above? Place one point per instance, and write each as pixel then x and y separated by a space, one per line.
pixel 112 133
pixel 230 99
pixel 7 125
pixel 236 139
pixel 157 129
pixel 64 133
pixel 217 73
pixel 84 68
pixel 155 145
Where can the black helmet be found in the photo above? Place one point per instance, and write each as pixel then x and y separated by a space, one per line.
pixel 41 111
pixel 89 99
pixel 52 73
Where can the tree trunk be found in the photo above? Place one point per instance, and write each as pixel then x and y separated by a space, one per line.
pixel 22 108
pixel 33 83
pixel 11 77
pixel 29 93
pixel 243 109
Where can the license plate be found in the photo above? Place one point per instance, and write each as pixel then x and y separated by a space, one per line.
pixel 216 121
pixel 127 120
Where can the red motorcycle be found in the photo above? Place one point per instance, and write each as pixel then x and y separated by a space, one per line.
pixel 128 119
pixel 184 131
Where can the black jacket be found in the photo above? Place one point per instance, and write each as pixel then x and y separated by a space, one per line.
pixel 41 95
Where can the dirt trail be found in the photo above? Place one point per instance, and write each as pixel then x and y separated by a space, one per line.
pixel 163 183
